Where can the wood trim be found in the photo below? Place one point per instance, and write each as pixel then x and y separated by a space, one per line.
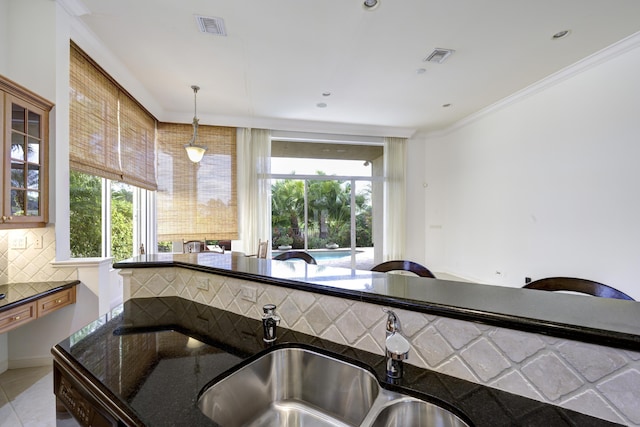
pixel 12 92
pixel 25 94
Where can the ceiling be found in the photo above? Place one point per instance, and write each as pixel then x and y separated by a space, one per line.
pixel 280 56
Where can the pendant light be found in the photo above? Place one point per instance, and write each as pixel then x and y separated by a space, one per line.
pixel 195 152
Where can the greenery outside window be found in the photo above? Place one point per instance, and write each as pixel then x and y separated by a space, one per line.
pixel 330 212
pixel 102 217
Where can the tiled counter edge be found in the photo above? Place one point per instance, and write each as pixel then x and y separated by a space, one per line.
pixel 596 380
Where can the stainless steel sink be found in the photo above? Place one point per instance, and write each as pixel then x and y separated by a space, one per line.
pixel 299 387
pixel 413 412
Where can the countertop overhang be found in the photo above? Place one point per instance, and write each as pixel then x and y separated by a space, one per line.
pixel 16 294
pixel 603 321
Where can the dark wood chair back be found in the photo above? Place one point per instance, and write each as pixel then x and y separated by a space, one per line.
pixel 296 255
pixel 573 284
pixel 405 265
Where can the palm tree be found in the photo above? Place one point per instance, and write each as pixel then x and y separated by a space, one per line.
pixel 287 206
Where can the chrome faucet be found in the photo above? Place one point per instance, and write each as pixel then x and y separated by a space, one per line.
pixel 269 322
pixel 396 346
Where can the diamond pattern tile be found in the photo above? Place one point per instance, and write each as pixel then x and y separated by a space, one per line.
pixel 350 327
pixel 595 380
pixel 30 264
pixel 4 256
pixel 598 405
pixel 515 345
pixel 457 332
pixel 592 361
pixel 433 347
pixel 549 374
pixel 624 390
pixel 485 359
pixel 515 382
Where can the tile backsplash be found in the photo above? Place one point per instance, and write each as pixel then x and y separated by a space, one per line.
pixel 4 256
pixel 592 379
pixel 28 263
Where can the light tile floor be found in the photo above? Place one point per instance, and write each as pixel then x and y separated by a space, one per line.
pixel 26 398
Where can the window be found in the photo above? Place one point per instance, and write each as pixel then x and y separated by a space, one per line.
pixel 105 217
pixel 196 201
pixel 325 204
pixel 112 162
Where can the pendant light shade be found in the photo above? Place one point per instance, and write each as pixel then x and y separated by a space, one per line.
pixel 195 152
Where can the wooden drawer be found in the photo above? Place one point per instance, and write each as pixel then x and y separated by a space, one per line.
pixel 17 316
pixel 55 301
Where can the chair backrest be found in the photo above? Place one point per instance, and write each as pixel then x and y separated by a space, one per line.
pixel 192 246
pixel 263 249
pixel 577 285
pixel 296 255
pixel 397 265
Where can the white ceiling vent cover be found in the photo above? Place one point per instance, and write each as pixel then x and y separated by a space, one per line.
pixel 439 55
pixel 211 25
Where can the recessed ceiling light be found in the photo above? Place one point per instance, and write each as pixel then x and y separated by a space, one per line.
pixel 421 71
pixel 560 34
pixel 446 105
pixel 321 105
pixel 326 93
pixel 370 4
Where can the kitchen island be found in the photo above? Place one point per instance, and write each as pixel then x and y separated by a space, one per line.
pixel 145 363
pixel 577 352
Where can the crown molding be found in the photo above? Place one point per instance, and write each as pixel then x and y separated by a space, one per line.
pixel 607 54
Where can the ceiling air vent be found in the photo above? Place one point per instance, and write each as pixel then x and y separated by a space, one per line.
pixel 439 55
pixel 211 25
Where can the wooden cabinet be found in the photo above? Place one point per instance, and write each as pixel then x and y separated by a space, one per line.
pixel 24 156
pixel 55 301
pixel 17 316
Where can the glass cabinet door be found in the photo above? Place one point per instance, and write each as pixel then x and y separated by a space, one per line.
pixel 25 157
pixel 26 140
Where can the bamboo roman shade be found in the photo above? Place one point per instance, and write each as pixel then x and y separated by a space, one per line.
pixel 111 135
pixel 137 145
pixel 196 201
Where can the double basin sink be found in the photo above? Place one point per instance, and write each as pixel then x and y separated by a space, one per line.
pixel 300 387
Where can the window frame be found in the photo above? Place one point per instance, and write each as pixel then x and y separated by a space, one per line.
pixel 142 220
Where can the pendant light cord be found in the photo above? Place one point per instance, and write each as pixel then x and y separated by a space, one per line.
pixel 195 113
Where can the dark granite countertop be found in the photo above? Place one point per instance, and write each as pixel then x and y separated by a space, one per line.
pixel 151 357
pixel 16 294
pixel 604 321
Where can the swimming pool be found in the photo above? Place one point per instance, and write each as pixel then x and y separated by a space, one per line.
pixel 325 254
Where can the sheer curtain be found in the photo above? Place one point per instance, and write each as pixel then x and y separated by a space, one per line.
pixel 394 231
pixel 254 187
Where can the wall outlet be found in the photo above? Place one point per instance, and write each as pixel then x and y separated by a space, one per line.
pixel 249 293
pixel 37 244
pixel 19 242
pixel 203 284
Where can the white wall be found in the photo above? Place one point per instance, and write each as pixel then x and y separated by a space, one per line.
pixel 29 47
pixel 30 345
pixel 415 201
pixel 547 186
pixel 4 35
